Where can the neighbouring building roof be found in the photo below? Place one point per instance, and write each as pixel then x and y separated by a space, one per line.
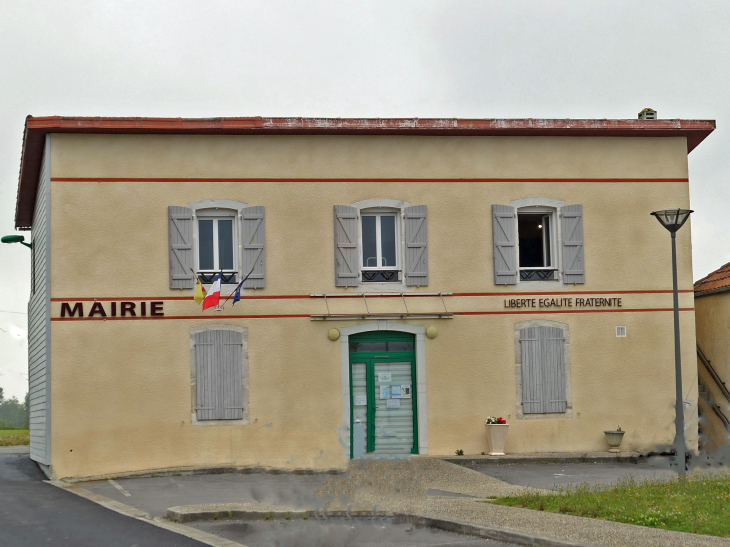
pixel 36 129
pixel 717 281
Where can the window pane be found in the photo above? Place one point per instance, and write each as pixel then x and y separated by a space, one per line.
pixel 530 229
pixel 205 244
pixel 369 243
pixel 368 346
pixel 400 346
pixel 387 241
pixel 546 239
pixel 225 244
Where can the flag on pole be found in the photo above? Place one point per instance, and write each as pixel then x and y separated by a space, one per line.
pixel 199 292
pixel 214 295
pixel 237 294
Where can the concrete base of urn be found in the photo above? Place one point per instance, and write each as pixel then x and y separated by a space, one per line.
pixel 496 437
pixel 614 439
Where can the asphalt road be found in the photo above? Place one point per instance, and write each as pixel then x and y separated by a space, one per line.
pixel 339 533
pixel 34 513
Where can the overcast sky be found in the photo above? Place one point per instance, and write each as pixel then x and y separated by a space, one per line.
pixel 478 59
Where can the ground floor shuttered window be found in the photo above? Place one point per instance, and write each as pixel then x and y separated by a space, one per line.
pixel 543 370
pixel 219 375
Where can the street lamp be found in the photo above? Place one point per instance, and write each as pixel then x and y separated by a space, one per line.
pixel 16 239
pixel 673 220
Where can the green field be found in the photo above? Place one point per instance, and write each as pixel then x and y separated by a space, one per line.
pixel 14 437
pixel 699 504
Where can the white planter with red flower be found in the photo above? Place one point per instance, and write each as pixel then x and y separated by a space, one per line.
pixel 496 434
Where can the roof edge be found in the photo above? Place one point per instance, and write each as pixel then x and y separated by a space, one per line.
pixel 36 128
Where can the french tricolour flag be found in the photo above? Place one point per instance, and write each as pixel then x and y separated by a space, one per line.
pixel 214 293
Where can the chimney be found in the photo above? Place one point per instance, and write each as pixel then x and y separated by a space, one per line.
pixel 647 114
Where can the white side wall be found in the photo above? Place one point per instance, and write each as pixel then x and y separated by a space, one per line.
pixel 39 323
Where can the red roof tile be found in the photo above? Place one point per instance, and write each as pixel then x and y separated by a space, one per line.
pixel 716 281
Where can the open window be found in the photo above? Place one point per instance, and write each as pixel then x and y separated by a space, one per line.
pixel 536 231
pixel 538 239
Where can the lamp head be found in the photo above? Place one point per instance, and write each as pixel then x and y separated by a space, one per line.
pixel 16 239
pixel 12 239
pixel 672 219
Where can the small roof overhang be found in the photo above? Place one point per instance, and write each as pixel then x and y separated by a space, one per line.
pixel 36 129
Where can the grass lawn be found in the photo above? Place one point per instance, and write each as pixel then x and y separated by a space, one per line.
pixel 699 504
pixel 14 437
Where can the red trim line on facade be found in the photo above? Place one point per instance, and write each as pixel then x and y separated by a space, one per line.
pixel 628 310
pixel 395 295
pixel 369 180
pixel 349 316
pixel 36 128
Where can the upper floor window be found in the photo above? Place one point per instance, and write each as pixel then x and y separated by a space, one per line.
pixel 379 250
pixel 211 236
pixel 538 239
pixel 217 244
pixel 536 243
pixel 381 241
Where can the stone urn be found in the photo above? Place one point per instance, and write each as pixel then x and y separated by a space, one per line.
pixel 496 437
pixel 614 439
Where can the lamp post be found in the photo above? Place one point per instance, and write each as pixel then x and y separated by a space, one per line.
pixel 673 220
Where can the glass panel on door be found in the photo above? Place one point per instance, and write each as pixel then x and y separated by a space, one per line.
pixel 359 410
pixel 393 428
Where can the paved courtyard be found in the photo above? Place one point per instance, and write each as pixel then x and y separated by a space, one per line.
pixel 554 476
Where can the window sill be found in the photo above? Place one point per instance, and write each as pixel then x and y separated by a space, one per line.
pixel 205 423
pixel 552 416
pixel 382 286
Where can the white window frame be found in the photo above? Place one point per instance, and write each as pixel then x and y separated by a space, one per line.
pixel 553 215
pixel 221 208
pixel 542 205
pixel 379 213
pixel 215 215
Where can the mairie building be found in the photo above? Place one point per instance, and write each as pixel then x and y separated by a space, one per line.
pixel 400 280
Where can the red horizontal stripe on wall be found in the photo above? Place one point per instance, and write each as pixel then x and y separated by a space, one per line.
pixel 394 295
pixel 568 311
pixel 348 317
pixel 476 180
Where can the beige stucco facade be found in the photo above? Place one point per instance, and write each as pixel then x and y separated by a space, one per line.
pixel 121 389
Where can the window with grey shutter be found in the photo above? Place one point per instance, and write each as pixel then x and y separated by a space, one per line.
pixel 180 232
pixel 219 374
pixel 504 232
pixel 253 246
pixel 543 370
pixel 416 235
pixel 346 263
pixel 573 259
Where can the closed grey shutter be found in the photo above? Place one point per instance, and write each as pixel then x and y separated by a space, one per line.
pixel 543 370
pixel 346 263
pixel 531 371
pixel 219 372
pixel 416 224
pixel 180 231
pixel 253 247
pixel 573 260
pixel 205 376
pixel 231 373
pixel 504 233
pixel 552 342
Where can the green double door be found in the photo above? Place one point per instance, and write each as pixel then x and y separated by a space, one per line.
pixel 383 405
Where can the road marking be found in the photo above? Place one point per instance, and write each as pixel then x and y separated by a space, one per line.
pixel 122 490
